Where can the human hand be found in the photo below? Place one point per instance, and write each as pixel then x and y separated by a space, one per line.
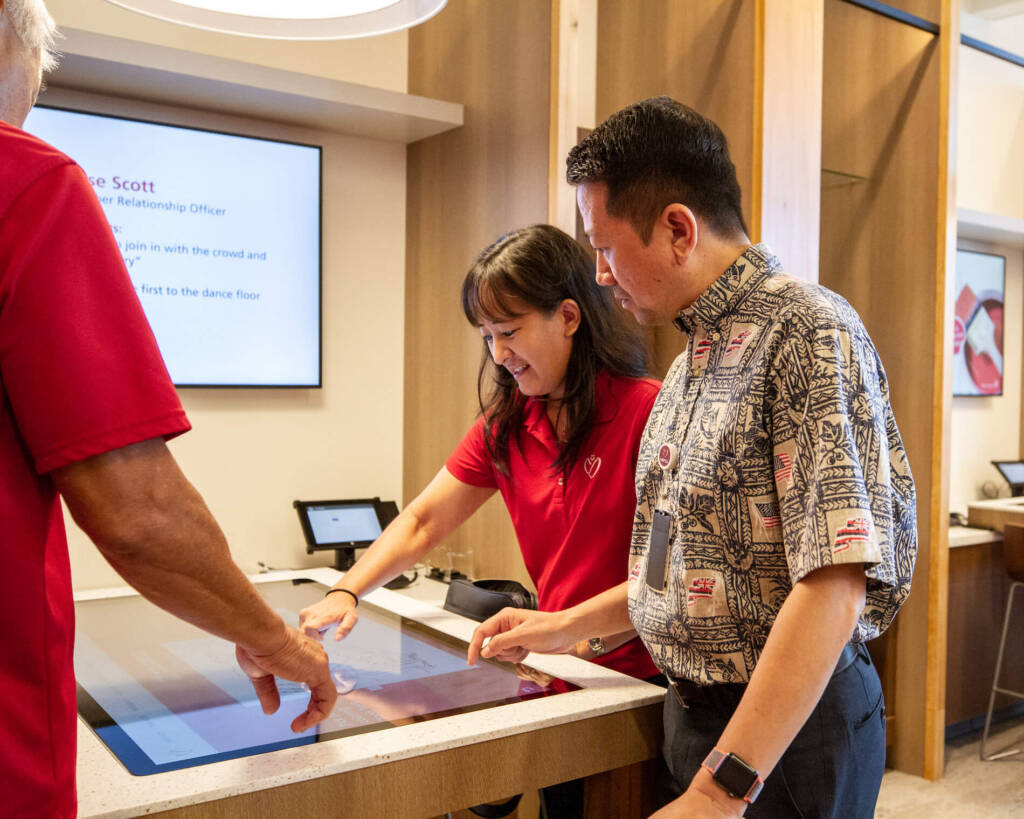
pixel 334 608
pixel 511 634
pixel 702 800
pixel 300 659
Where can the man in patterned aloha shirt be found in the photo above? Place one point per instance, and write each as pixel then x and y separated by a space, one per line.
pixel 775 528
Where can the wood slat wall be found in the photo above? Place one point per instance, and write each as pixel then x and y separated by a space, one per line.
pixel 465 188
pixel 883 122
pixel 702 53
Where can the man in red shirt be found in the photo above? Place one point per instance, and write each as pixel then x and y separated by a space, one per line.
pixel 85 407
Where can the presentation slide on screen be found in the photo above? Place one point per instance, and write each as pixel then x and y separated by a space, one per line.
pixel 221 237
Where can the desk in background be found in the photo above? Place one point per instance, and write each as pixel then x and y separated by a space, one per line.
pixel 978 585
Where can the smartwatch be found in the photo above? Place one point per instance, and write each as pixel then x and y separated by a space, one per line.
pixel 733 775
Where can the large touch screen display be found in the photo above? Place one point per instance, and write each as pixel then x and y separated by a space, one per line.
pixel 164 695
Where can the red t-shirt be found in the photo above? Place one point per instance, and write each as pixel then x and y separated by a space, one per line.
pixel 80 374
pixel 574 536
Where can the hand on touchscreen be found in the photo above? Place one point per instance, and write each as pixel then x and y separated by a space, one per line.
pixel 301 660
pixel 334 608
pixel 511 634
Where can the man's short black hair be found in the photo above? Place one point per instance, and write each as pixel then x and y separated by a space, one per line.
pixel 656 152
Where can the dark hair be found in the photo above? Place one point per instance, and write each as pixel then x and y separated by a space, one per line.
pixel 541 266
pixel 656 152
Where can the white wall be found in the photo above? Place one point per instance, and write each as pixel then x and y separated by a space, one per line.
pixel 252 452
pixel 986 429
pixel 990 133
pixel 990 179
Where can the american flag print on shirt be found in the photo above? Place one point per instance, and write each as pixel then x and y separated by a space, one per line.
pixel 737 342
pixel 702 348
pixel 855 530
pixel 783 467
pixel 700 589
pixel 770 515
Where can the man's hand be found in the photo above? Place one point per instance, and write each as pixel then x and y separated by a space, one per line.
pixel 300 659
pixel 704 799
pixel 697 804
pixel 334 608
pixel 514 633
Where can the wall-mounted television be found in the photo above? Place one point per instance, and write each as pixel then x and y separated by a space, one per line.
pixel 221 234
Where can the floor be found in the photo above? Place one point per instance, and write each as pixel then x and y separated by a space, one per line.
pixel 971 789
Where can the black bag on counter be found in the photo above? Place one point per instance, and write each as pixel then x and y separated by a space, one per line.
pixel 479 599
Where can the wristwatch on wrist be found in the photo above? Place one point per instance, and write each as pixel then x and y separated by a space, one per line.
pixel 596 645
pixel 733 775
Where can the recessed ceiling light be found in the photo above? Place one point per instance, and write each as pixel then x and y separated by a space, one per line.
pixel 291 19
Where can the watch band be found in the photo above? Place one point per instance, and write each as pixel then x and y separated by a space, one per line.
pixel 733 775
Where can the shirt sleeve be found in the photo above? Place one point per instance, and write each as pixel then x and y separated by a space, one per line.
pixel 470 462
pixel 80 367
pixel 832 456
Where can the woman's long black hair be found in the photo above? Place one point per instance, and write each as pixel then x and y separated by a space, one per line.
pixel 541 266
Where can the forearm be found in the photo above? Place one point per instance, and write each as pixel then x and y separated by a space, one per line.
pixel 798 659
pixel 155 530
pixel 603 615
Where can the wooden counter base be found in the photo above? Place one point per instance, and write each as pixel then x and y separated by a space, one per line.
pixel 610 746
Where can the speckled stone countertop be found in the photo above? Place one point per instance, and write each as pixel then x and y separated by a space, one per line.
pixel 105 788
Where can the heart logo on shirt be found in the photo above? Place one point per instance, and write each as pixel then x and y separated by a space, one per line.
pixel 591 465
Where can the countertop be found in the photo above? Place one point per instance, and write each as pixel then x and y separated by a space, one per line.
pixel 105 788
pixel 971 536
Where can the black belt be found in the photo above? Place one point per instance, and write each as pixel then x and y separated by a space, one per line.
pixel 690 693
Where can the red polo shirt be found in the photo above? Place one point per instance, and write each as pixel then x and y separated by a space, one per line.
pixel 574 533
pixel 80 374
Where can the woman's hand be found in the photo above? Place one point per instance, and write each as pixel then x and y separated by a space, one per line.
pixel 334 608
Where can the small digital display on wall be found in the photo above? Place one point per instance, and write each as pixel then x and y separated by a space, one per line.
pixel 978 323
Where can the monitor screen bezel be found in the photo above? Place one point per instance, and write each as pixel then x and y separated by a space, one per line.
pixel 320 234
pixel 312 545
pixel 1016 487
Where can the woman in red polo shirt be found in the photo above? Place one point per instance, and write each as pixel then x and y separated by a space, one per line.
pixel 561 421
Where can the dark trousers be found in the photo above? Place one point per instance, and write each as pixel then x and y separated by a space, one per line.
pixel 833 768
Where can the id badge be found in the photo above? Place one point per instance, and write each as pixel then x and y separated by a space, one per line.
pixel 657 552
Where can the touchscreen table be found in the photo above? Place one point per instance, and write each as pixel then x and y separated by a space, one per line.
pixel 162 694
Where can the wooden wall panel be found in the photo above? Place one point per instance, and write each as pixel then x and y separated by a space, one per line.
pixel 930 10
pixel 883 248
pixel 754 67
pixel 702 53
pixel 465 188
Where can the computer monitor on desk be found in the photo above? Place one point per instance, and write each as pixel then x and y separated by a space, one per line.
pixel 1013 472
pixel 343 525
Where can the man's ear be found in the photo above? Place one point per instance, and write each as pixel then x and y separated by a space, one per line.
pixel 569 311
pixel 681 223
